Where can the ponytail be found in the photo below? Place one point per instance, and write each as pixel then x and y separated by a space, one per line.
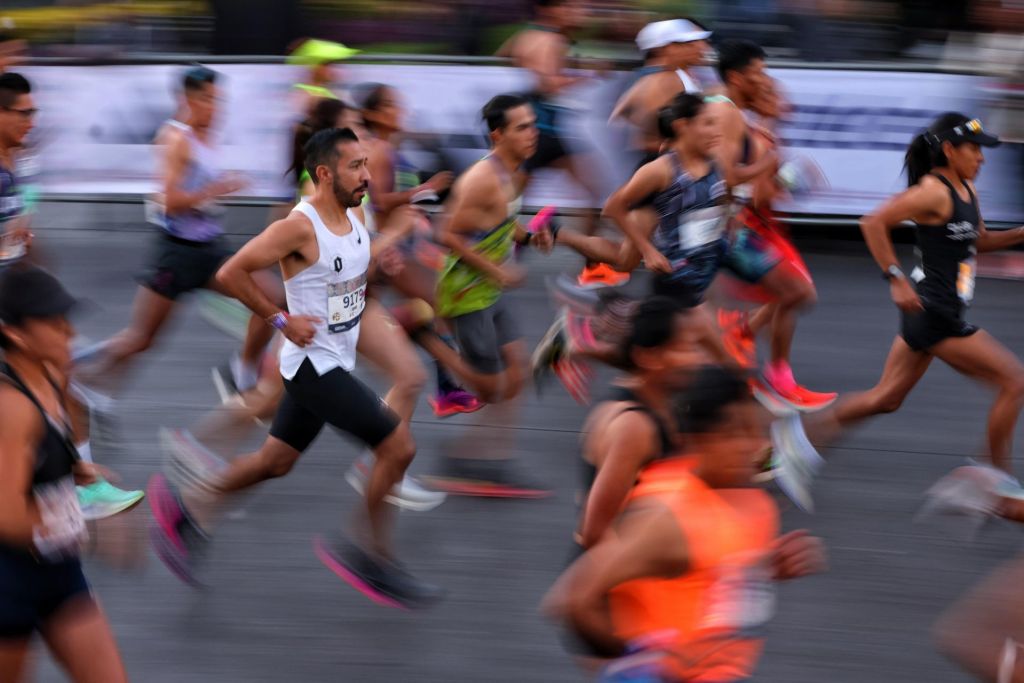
pixel 921 158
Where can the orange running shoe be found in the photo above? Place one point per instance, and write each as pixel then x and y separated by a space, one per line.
pixel 737 338
pixel 601 275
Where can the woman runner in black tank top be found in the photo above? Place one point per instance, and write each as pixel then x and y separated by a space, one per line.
pixel 941 164
pixel 42 588
pixel 634 427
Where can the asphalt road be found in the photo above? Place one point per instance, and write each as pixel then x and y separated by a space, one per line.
pixel 274 613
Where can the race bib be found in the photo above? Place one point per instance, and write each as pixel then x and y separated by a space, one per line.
pixel 701 227
pixel 965 280
pixel 63 530
pixel 345 304
pixel 741 600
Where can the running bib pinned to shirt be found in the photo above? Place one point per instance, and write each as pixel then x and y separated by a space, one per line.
pixel 966 270
pixel 701 227
pixel 63 527
pixel 345 304
pixel 741 600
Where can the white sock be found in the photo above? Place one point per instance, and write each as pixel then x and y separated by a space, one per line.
pixel 85 451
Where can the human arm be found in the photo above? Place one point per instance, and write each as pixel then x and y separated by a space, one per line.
pixel 798 554
pixel 280 240
pixel 728 152
pixel 629 441
pixel 176 156
pixel 20 430
pixel 651 178
pixel 647 543
pixel 926 202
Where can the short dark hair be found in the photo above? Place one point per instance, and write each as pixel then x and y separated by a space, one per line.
pixel 737 55
pixel 712 389
pixel 197 76
pixel 653 325
pixel 12 86
pixel 683 106
pixel 322 148
pixel 496 110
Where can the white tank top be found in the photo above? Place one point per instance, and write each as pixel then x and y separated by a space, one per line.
pixel 332 289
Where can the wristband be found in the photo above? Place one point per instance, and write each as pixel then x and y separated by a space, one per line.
pixel 526 240
pixel 278 321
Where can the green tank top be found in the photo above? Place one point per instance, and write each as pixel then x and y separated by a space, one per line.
pixel 462 289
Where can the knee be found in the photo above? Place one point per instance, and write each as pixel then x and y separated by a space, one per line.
pixel 888 402
pixel 1013 383
pixel 411 379
pixel 398 450
pixel 799 293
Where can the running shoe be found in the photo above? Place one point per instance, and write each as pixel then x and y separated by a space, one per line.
pixel 969 491
pixel 554 354
pixel 737 338
pixel 381 581
pixel 228 315
pixel 188 463
pixel 177 540
pixel 767 397
pixel 454 402
pixel 485 479
pixel 601 275
pixel 768 467
pixel 408 493
pixel 101 499
pixel 798 461
pixel 568 292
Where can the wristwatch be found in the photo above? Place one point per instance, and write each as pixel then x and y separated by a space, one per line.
pixel 893 272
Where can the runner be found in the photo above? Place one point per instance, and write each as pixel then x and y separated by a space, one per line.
pixel 745 157
pixel 397 185
pixel 325 256
pixel 187 251
pixel 682 588
pixel 941 165
pixel 321 58
pixel 17 115
pixel 671 50
pixel 42 587
pixel 481 229
pixel 543 49
pixel 635 427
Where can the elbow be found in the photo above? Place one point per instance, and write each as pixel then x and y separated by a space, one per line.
pixel 869 225
pixel 225 276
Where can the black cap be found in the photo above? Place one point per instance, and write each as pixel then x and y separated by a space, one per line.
pixel 970 131
pixel 27 291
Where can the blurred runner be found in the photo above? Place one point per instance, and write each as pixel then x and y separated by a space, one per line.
pixel 187 251
pixel 941 165
pixel 635 425
pixel 481 228
pixel 325 256
pixel 671 50
pixel 322 80
pixel 543 49
pixel 395 182
pixel 759 255
pixel 681 588
pixel 42 588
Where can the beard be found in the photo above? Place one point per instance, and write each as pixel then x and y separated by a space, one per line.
pixel 344 197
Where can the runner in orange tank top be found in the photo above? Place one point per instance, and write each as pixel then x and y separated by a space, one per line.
pixel 680 589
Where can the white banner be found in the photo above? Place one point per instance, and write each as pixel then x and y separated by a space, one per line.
pixel 96 126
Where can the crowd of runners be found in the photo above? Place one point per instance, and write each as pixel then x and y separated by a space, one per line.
pixel 678 539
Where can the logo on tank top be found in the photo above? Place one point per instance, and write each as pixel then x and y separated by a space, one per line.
pixel 961 231
pixel 337 264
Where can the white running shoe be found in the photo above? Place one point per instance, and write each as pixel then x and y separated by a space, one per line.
pixel 408 493
pixel 798 461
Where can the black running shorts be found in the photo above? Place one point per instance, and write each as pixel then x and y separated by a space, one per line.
pixel 178 266
pixel 482 334
pixel 335 398
pixel 925 329
pixel 32 592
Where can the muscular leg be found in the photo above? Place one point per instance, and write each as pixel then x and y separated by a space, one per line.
pixel 80 639
pixel 386 345
pixel 981 357
pixel 792 292
pixel 150 313
pixel 13 659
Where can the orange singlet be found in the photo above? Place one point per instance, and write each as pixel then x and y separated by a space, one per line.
pixel 717 608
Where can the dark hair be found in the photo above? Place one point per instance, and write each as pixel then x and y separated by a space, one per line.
pixel 322 148
pixel 197 76
pixel 495 111
pixel 548 3
pixel 925 152
pixel 653 325
pixel 712 389
pixel 683 106
pixel 12 86
pixel 324 115
pixel 375 96
pixel 737 55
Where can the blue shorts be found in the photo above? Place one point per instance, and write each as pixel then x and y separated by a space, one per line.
pixel 751 256
pixel 32 592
